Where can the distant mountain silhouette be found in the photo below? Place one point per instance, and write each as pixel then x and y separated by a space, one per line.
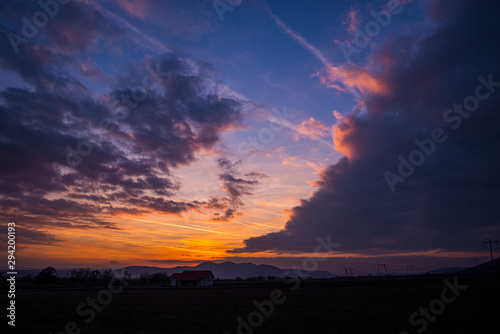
pixel 228 270
pixel 231 270
pixel 484 268
pixel 447 270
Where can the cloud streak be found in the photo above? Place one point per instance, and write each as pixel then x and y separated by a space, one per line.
pixel 344 77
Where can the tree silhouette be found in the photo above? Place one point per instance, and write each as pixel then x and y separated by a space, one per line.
pixel 144 279
pixel 47 276
pixel 94 276
pixel 106 276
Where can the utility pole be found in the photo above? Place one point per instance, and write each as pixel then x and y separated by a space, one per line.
pixel 382 265
pixel 490 242
pixel 409 268
pixel 350 271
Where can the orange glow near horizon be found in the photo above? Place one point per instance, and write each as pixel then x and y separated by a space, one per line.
pixel 190 236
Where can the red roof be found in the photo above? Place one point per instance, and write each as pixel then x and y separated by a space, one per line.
pixel 192 275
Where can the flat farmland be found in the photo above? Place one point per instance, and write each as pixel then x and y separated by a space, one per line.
pixel 372 305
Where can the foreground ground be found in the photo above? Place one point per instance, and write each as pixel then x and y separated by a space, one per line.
pixel 377 305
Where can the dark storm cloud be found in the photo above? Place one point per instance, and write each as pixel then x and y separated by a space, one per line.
pixel 236 187
pixel 36 52
pixel 60 166
pixel 451 201
pixel 72 27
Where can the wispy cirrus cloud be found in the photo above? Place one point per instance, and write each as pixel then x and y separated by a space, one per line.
pixel 346 77
pixel 352 21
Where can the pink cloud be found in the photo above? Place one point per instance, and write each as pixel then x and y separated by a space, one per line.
pixel 352 77
pixel 137 8
pixel 352 21
pixel 312 129
pixel 90 70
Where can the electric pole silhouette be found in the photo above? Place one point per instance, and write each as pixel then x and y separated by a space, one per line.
pixel 408 269
pixel 382 265
pixel 491 248
pixel 350 271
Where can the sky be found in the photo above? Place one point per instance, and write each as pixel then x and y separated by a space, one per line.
pixel 176 132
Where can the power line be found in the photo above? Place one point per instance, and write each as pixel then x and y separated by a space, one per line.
pixel 490 242
pixel 382 265
pixel 350 271
pixel 409 268
pixel 471 256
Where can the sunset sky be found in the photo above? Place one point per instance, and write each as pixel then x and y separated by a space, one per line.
pixel 164 133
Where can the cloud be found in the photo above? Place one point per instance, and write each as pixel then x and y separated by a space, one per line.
pixel 27 235
pixel 352 21
pixel 343 77
pixel 257 174
pixel 78 27
pixel 188 19
pixel 135 8
pixel 62 168
pixel 168 261
pixel 235 188
pixel 312 129
pixel 451 201
pixel 349 77
pixel 296 36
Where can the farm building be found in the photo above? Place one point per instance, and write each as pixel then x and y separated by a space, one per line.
pixel 193 278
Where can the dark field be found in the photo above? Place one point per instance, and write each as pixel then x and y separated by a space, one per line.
pixel 380 305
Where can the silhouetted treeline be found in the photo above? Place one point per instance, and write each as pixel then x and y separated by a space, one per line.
pixel 83 277
pixel 158 279
pixel 47 276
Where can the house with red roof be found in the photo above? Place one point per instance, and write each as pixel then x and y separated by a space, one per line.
pixel 193 278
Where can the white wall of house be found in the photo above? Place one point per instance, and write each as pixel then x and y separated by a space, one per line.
pixel 208 281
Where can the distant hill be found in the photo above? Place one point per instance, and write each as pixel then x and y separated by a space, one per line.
pixel 231 270
pixel 447 270
pixel 227 270
pixel 484 268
